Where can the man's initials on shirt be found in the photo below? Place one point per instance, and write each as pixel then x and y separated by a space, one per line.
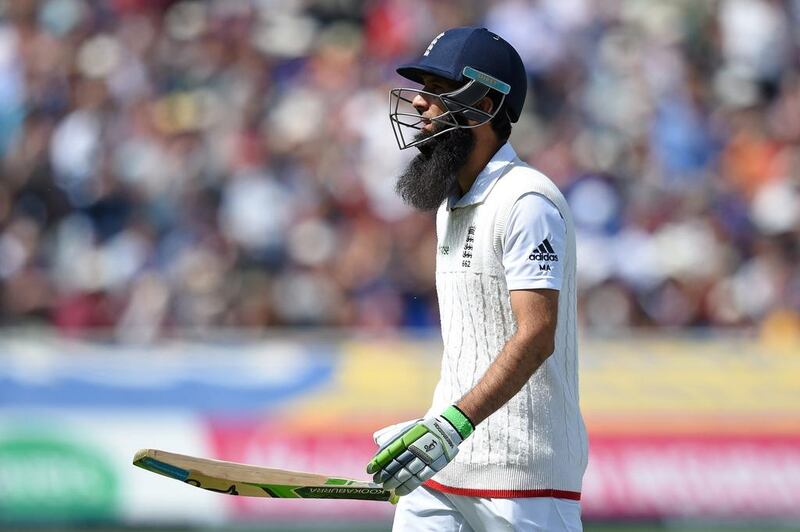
pixel 544 267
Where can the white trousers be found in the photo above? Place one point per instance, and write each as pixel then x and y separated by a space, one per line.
pixel 427 510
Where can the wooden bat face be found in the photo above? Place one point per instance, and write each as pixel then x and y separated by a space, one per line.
pixel 252 481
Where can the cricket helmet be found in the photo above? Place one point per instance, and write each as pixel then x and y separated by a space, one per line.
pixel 482 62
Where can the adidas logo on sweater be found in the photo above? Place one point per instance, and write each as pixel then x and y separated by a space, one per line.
pixel 544 253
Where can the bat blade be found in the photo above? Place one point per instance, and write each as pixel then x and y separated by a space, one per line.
pixel 253 481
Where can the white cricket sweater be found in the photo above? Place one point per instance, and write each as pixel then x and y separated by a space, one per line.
pixel 536 444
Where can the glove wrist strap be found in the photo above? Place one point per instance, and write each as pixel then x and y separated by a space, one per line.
pixel 459 420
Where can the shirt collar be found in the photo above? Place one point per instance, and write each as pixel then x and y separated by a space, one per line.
pixel 485 181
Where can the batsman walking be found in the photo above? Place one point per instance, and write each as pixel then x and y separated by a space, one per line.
pixel 503 446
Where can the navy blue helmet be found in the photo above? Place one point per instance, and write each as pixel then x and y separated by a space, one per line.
pixel 481 62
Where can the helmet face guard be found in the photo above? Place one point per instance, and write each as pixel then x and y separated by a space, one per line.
pixel 458 106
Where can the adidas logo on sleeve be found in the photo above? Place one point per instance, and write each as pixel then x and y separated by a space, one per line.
pixel 544 252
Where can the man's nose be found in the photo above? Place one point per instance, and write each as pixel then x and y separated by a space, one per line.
pixel 419 103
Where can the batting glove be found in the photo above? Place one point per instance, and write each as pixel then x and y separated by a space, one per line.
pixel 418 450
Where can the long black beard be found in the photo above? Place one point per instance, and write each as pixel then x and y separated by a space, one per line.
pixel 432 175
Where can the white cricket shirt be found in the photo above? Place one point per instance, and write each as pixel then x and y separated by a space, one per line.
pixel 512 230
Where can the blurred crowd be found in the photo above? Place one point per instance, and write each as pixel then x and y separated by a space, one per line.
pixel 178 165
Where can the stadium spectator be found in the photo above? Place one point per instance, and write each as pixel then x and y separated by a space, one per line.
pixel 176 165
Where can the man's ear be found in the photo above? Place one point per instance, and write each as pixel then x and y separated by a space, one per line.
pixel 486 105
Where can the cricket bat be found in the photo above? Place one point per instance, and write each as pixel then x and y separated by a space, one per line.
pixel 254 481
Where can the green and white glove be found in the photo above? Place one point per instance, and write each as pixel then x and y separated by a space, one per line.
pixel 417 450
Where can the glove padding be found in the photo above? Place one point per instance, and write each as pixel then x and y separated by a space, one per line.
pixel 412 452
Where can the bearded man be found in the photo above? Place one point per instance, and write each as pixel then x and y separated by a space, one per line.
pixel 503 446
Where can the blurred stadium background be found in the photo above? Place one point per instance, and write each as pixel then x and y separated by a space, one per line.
pixel 201 250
